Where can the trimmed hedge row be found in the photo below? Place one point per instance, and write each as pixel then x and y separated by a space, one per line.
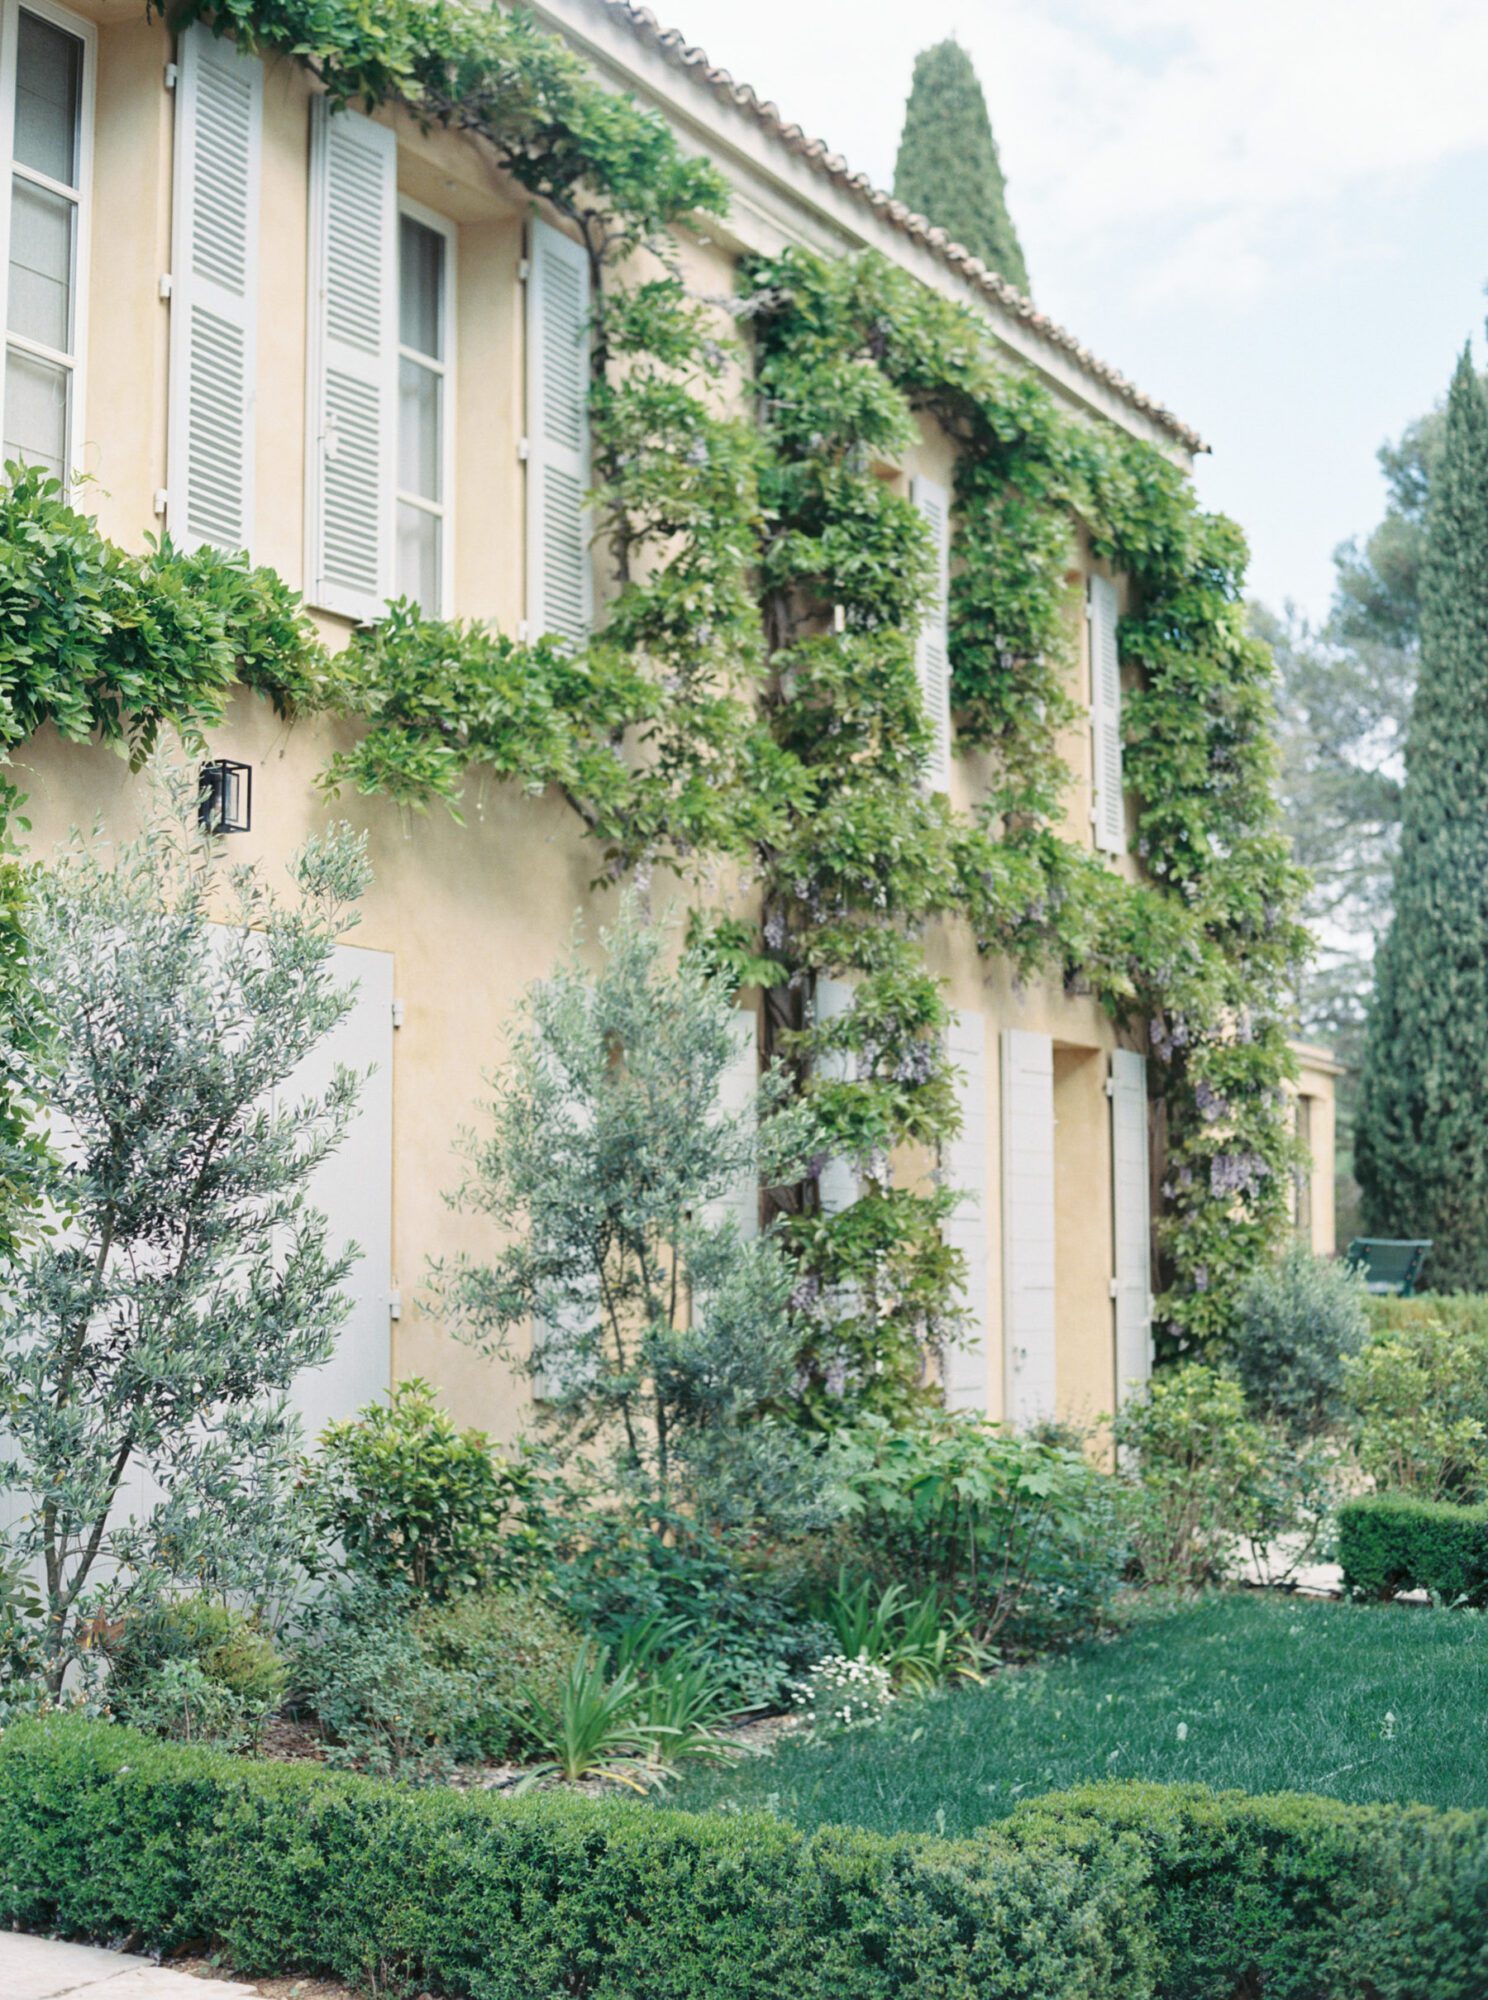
pixel 1296 1897
pixel 1119 1892
pixel 107 1834
pixel 1389 1542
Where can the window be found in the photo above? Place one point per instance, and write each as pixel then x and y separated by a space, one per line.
pixel 424 561
pixel 46 81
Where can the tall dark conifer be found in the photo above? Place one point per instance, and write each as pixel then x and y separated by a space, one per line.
pixel 948 169
pixel 1422 1144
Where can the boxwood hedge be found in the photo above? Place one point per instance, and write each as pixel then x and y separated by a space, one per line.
pixel 1392 1541
pixel 1119 1892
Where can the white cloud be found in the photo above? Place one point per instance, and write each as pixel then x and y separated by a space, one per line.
pixel 1115 113
pixel 1210 121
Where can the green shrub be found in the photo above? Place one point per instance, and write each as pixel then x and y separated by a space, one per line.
pixel 1464 1313
pixel 616 1571
pixel 1197 1475
pixel 180 1701
pixel 231 1649
pixel 22 1653
pixel 1397 1541
pixel 411 1498
pixel 1293 1897
pixel 195 1669
pixel 1016 1534
pixel 287 1869
pixel 1113 1892
pixel 1297 1322
pixel 513 1644
pixel 383 1703
pixel 1418 1397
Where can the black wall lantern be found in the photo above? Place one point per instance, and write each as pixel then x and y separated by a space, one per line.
pixel 225 803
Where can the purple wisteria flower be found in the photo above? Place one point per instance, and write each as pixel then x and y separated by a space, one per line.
pixel 1211 1104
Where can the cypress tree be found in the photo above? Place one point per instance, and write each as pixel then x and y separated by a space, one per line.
pixel 948 169
pixel 1422 1142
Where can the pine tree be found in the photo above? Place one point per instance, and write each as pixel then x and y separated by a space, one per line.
pixel 1422 1146
pixel 948 167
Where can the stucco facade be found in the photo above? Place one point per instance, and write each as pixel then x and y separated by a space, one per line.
pixel 471 913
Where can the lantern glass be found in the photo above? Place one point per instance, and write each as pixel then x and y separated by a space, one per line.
pixel 226 797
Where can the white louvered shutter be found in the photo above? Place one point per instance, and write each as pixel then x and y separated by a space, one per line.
pixel 214 292
pixel 353 1189
pixel 1131 1199
pixel 1109 806
pixel 964 1369
pixel 1028 1224
pixel 738 1090
pixel 559 580
pixel 838 1185
pixel 352 396
pixel 932 654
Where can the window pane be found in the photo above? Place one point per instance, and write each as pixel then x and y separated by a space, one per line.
pixel 420 396
pixel 420 288
pixel 419 550
pixel 36 412
pixel 41 225
pixel 49 81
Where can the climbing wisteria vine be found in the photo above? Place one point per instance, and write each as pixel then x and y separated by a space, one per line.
pixel 751 696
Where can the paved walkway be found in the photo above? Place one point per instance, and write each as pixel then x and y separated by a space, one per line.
pixel 33 1968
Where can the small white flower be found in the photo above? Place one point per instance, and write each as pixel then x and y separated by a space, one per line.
pixel 1183 1732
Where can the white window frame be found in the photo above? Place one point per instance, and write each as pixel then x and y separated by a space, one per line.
pixel 445 510
pixel 76 363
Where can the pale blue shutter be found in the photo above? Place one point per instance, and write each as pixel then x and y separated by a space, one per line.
pixel 838 1186
pixel 932 650
pixel 1131 1210
pixel 738 1091
pixel 1109 808
pixel 1028 1224
pixel 964 1367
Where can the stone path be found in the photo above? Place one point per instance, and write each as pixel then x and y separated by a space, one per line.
pixel 33 1968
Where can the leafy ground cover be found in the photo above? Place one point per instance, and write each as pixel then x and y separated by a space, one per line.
pixel 1263 1693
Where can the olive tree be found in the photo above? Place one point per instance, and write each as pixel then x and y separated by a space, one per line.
pixel 180 1277
pixel 612 1165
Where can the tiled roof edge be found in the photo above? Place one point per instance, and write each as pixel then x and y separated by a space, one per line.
pixel 819 155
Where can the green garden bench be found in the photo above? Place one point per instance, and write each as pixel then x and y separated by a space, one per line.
pixel 1389 1263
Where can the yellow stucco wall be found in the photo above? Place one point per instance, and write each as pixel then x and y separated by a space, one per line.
pixel 473 913
pixel 1314 1094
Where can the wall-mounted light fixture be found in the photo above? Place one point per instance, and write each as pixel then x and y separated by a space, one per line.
pixel 225 802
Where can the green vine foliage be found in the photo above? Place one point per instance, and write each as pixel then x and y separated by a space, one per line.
pixel 103 644
pixel 752 694
pixel 1206 950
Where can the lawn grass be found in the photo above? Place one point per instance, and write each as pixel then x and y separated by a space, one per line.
pixel 1264 1693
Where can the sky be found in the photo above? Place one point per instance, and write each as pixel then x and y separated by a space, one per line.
pixel 1272 216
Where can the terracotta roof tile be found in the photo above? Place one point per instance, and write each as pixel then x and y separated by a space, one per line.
pixel 645 24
